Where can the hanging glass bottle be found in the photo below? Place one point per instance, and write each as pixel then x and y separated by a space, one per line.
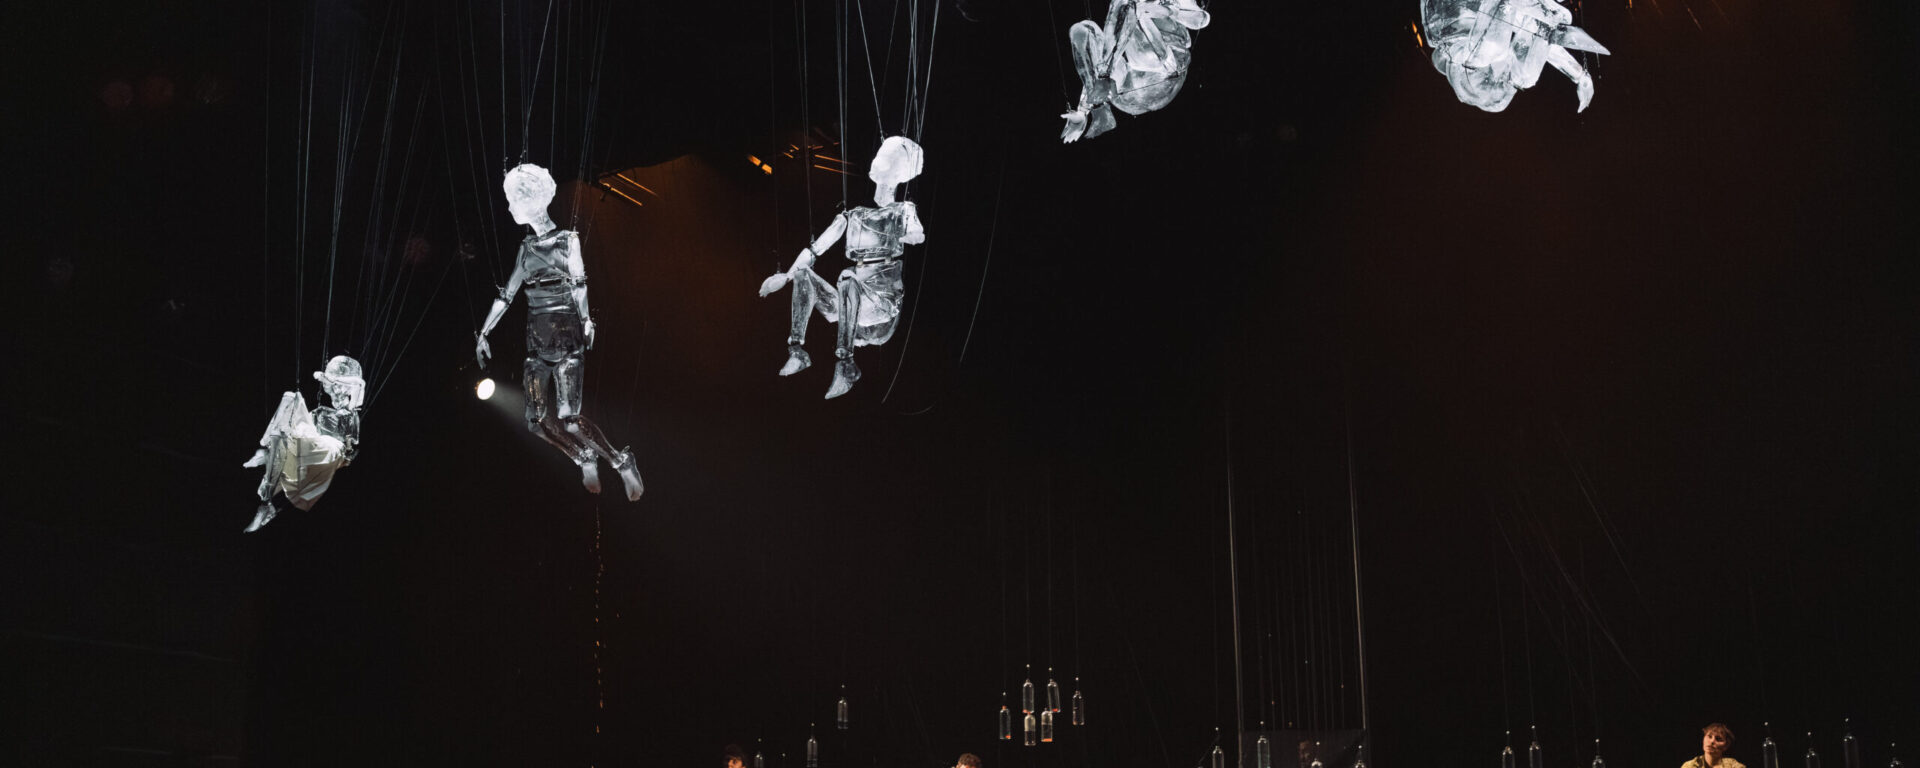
pixel 1534 758
pixel 840 710
pixel 1053 694
pixel 1360 756
pixel 813 749
pixel 1597 762
pixel 1079 704
pixel 1046 726
pixel 1262 750
pixel 1506 753
pixel 1316 756
pixel 1219 757
pixel 1850 747
pixel 1031 728
pixel 1813 758
pixel 1006 720
pixel 1769 752
pixel 1026 692
pixel 759 760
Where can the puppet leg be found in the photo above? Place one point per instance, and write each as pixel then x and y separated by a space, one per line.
pixel 811 294
pixel 568 378
pixel 1093 59
pixel 539 378
pixel 845 373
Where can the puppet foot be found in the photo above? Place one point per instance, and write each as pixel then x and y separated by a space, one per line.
pixel 797 360
pixel 1099 121
pixel 590 474
pixel 259 459
pixel 629 474
pixel 261 517
pixel 845 373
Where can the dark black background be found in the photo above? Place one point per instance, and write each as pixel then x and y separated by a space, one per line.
pixel 1626 394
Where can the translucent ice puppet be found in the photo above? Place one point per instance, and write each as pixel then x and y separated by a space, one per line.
pixel 1490 49
pixel 1136 63
pixel 866 302
pixel 559 332
pixel 301 450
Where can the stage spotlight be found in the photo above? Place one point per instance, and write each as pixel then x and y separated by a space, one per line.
pixel 484 389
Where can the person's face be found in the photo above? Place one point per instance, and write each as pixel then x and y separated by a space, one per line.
pixel 1714 744
pixel 734 762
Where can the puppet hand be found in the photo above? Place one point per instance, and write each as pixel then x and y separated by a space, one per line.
pixel 588 330
pixel 776 282
pixel 480 349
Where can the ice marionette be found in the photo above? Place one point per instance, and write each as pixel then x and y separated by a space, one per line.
pixel 865 301
pixel 301 450
pixel 550 271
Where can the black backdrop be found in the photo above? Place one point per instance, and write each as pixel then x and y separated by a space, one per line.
pixel 1627 396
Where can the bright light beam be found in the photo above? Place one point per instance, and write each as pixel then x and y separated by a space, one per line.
pixel 484 390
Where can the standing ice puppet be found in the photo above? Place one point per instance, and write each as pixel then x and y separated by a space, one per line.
pixel 1136 63
pixel 550 271
pixel 865 303
pixel 1490 49
pixel 301 450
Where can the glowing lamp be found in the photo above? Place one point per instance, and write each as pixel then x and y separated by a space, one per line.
pixel 484 389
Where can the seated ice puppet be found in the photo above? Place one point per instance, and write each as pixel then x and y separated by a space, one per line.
pixel 865 302
pixel 301 450
pixel 1136 63
pixel 1490 49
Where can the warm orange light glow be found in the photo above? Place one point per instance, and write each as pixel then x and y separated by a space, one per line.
pixel 643 187
pixel 753 160
pixel 766 169
pixel 1417 39
pixel 824 168
pixel 609 188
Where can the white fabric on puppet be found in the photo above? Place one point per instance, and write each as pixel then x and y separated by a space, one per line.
pixel 866 301
pixel 550 270
pixel 301 450
pixel 1490 49
pixel 1136 63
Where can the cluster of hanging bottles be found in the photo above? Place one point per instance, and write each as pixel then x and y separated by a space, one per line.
pixel 1769 752
pixel 1037 721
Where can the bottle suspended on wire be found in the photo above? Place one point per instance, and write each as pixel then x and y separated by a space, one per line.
pixel 813 749
pixel 1006 720
pixel 1046 725
pixel 1507 759
pixel 1534 758
pixel 1053 693
pixel 759 760
pixel 1316 756
pixel 1850 747
pixel 1219 757
pixel 1813 758
pixel 1262 750
pixel 1769 752
pixel 840 710
pixel 1032 730
pixel 1079 704
pixel 1360 756
pixel 1026 692
pixel 1597 762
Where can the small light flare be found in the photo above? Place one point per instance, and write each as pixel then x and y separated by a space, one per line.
pixel 484 389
